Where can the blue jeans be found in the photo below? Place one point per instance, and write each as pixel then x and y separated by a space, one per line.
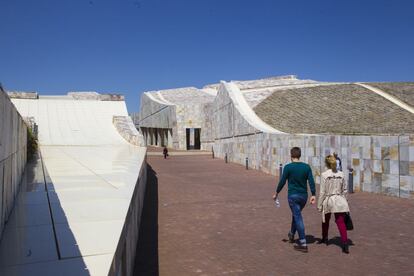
pixel 296 203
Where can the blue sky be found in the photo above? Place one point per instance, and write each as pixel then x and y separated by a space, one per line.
pixel 130 46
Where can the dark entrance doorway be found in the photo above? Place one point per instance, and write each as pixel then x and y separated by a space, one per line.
pixel 193 138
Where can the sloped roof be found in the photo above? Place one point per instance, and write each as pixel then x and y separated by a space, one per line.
pixel 337 109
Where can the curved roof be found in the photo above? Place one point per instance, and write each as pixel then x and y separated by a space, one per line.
pixel 255 91
pixel 404 91
pixel 339 109
pixel 185 95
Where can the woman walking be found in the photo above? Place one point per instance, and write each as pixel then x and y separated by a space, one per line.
pixel 332 200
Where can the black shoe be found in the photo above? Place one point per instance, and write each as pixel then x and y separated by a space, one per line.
pixel 301 248
pixel 345 248
pixel 323 240
pixel 291 237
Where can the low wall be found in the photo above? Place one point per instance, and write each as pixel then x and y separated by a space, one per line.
pixel 13 150
pixel 126 128
pixel 124 258
pixel 382 164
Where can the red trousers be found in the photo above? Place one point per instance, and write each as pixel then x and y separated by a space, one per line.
pixel 340 222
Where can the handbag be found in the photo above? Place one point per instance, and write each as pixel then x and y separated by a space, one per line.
pixel 348 222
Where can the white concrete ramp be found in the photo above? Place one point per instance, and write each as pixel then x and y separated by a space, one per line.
pixel 65 121
pixel 80 194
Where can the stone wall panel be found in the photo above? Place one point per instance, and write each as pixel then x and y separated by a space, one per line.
pixel 13 139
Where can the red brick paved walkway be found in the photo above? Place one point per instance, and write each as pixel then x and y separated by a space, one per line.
pixel 219 219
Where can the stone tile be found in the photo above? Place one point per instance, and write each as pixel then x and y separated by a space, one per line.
pixel 357 179
pixel 356 153
pixel 407 183
pixel 367 164
pixel 385 167
pixel 367 176
pixel 404 168
pixel 87 266
pixel 88 238
pixel 2 211
pixel 32 198
pixel 88 211
pixel 355 162
pixel 385 153
pixel 394 153
pixel 23 245
pixel 404 141
pixel 366 152
pixel 377 182
pixel 377 153
pixel 412 168
pixel 30 215
pixel 411 153
pixel 390 185
pixel 404 153
pixel 377 166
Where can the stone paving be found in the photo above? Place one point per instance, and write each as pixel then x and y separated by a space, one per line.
pixel 158 151
pixel 219 219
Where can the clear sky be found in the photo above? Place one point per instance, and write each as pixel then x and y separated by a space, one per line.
pixel 132 46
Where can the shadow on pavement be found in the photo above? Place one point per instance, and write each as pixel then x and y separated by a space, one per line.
pixel 146 260
pixel 309 239
pixel 38 240
pixel 337 241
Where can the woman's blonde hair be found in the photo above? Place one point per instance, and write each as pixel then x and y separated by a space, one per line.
pixel 330 162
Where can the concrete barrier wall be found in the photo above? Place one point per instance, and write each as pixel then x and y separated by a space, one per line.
pixel 382 164
pixel 124 258
pixel 13 145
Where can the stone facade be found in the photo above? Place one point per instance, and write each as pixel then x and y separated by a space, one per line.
pixel 155 115
pixel 95 96
pixel 257 120
pixel 13 154
pixel 23 95
pixel 381 164
pixel 168 121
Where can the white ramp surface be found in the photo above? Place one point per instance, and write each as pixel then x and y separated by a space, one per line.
pixel 68 221
pixel 65 121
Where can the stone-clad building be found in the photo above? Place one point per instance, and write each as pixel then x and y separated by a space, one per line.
pixel 174 117
pixel 370 126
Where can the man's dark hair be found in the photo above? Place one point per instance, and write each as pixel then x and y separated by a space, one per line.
pixel 295 152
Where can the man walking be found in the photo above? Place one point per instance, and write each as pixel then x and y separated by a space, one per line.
pixel 165 152
pixel 297 174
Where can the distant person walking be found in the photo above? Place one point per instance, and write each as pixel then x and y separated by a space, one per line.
pixel 338 162
pixel 165 152
pixel 332 199
pixel 297 174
